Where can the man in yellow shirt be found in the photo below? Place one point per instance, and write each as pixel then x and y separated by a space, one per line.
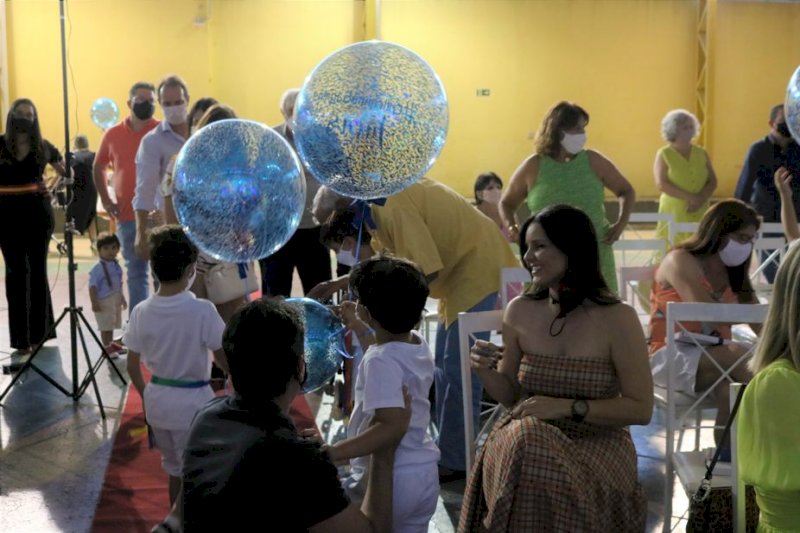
pixel 461 251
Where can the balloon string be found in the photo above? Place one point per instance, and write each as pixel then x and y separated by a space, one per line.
pixel 358 243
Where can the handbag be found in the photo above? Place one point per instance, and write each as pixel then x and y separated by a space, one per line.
pixel 230 281
pixel 711 509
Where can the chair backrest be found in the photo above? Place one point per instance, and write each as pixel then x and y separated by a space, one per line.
pixel 777 247
pixel 680 312
pixel 468 325
pixel 627 275
pixel 681 227
pixel 512 283
pixel 770 229
pixel 737 486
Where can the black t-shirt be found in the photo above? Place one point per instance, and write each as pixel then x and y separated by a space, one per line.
pixel 249 470
pixel 82 163
pixel 27 171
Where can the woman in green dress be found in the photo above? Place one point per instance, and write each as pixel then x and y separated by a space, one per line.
pixel 768 425
pixel 683 172
pixel 561 171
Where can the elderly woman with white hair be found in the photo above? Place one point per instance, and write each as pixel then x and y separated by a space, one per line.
pixel 683 171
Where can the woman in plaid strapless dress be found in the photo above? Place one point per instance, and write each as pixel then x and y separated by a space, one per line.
pixel 574 374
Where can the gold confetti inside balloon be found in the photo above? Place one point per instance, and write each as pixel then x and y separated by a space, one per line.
pixel 371 119
pixel 792 105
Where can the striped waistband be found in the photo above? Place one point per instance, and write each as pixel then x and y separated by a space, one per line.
pixel 179 383
pixel 23 189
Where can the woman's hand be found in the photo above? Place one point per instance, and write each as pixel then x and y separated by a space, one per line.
pixel 543 407
pixel 326 289
pixel 695 202
pixel 783 182
pixel 347 314
pixel 485 355
pixel 614 233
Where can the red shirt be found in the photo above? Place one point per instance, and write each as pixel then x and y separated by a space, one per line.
pixel 118 150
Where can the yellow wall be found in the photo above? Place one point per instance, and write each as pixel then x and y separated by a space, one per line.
pixel 626 61
pixel 113 44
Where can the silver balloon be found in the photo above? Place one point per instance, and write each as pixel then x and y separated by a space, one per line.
pixel 792 105
pixel 239 190
pixel 371 119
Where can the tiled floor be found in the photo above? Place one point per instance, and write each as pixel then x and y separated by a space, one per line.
pixel 53 451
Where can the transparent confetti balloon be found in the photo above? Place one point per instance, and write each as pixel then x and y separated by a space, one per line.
pixel 239 191
pixel 324 342
pixel 792 105
pixel 105 112
pixel 371 119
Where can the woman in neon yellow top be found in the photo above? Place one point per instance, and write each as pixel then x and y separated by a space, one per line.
pixel 683 172
pixel 563 172
pixel 768 426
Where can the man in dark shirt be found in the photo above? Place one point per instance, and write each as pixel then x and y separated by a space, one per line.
pixel 756 184
pixel 246 468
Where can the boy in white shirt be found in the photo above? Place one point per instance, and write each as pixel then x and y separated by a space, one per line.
pixel 172 333
pixel 389 297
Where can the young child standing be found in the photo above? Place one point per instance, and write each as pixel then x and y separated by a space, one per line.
pixel 171 333
pixel 105 291
pixel 390 295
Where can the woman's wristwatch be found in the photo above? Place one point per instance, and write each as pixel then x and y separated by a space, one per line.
pixel 579 410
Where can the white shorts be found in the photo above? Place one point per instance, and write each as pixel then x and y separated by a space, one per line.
pixel 687 359
pixel 416 492
pixel 109 317
pixel 171 443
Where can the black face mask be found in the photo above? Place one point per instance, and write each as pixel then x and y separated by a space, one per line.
pixel 783 129
pixel 21 125
pixel 144 110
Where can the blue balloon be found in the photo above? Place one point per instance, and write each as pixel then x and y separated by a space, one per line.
pixel 105 112
pixel 371 119
pixel 792 105
pixel 324 342
pixel 239 190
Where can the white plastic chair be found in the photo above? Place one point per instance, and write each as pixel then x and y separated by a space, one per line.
pixel 644 251
pixel 512 283
pixel 686 463
pixel 680 227
pixel 468 325
pixel 630 278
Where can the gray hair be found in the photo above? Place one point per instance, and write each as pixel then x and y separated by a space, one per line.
pixel 673 120
pixel 81 142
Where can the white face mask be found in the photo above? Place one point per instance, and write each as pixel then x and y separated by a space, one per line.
pixel 735 253
pixel 573 142
pixel 346 257
pixel 491 196
pixel 176 114
pixel 191 279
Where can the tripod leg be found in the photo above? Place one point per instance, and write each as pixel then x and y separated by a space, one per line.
pixel 29 363
pixel 90 376
pixel 105 356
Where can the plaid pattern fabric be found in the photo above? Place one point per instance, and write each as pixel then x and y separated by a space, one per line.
pixel 557 475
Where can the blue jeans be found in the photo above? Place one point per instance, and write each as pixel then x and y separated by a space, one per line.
pixel 136 267
pixel 449 403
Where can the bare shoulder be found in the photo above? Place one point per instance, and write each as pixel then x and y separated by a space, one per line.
pixel 614 315
pixel 522 310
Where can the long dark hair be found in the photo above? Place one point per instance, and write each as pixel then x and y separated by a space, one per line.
pixel 562 116
pixel 722 219
pixel 38 148
pixel 571 231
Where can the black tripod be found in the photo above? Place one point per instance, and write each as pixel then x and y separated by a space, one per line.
pixel 76 316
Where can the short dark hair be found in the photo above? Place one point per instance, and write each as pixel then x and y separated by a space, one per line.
pixel 773 113
pixel 140 85
pixel 572 232
pixel 393 290
pixel 258 368
pixel 107 239
pixel 483 181
pixel 173 81
pixel 562 116
pixel 341 224
pixel 171 252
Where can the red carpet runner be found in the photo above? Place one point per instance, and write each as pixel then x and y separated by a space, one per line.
pixel 134 494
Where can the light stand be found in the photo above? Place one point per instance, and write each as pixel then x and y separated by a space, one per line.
pixel 76 316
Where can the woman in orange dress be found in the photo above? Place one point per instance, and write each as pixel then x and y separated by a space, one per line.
pixel 712 266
